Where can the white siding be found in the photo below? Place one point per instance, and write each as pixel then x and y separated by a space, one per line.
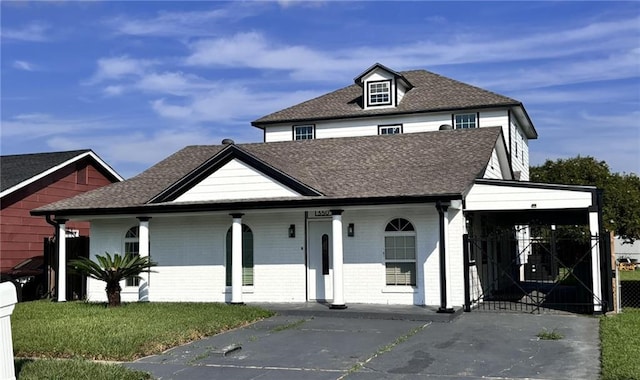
pixel 519 152
pixel 282 132
pixel 498 197
pixel 190 252
pixel 493 168
pixel 236 180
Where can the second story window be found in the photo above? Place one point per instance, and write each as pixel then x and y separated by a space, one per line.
pixel 389 129
pixel 379 93
pixel 466 121
pixel 303 132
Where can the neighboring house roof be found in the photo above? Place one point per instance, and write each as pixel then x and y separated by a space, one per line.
pixel 20 170
pixel 429 164
pixel 430 93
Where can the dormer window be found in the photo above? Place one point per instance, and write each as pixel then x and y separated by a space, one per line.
pixel 379 93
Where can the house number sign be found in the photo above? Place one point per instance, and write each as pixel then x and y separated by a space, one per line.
pixel 322 213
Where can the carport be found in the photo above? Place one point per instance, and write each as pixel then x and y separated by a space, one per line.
pixel 532 247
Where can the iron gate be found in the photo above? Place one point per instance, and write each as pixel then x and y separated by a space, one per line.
pixel 504 271
pixel 76 247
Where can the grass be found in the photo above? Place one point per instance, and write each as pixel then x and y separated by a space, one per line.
pixel 54 369
pixel 549 335
pixel 620 343
pixel 632 275
pixel 45 329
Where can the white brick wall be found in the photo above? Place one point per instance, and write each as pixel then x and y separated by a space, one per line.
pixel 190 252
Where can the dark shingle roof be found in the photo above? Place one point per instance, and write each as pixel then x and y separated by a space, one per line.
pixel 431 92
pixel 18 168
pixel 418 164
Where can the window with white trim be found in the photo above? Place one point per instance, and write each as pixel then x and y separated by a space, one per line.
pixel 389 129
pixel 400 253
pixel 132 246
pixel 464 121
pixel 247 256
pixel 303 132
pixel 379 93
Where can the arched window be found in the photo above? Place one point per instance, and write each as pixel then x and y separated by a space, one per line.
pixel 247 256
pixel 132 246
pixel 400 252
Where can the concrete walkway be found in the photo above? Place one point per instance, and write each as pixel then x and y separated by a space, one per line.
pixel 341 346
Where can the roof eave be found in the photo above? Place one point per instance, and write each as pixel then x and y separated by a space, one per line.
pixel 262 204
pixel 262 125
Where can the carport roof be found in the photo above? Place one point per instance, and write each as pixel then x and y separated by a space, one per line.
pixel 355 169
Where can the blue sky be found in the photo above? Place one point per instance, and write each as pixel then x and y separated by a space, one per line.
pixel 137 81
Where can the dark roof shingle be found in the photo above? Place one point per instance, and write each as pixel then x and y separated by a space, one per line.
pixel 18 168
pixel 417 164
pixel 431 92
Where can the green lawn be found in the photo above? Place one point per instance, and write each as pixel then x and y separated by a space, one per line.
pixel 64 335
pixel 29 369
pixel 92 331
pixel 620 341
pixel 629 275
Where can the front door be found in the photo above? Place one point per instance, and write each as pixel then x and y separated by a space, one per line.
pixel 320 266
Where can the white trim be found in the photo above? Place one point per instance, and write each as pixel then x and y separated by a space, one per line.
pixel 58 167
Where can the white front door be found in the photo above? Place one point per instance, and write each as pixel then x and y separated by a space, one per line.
pixel 320 266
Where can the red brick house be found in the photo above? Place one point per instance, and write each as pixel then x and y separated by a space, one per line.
pixel 33 180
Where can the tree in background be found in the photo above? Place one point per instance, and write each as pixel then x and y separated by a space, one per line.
pixel 621 192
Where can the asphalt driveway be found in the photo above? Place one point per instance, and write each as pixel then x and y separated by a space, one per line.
pixel 475 345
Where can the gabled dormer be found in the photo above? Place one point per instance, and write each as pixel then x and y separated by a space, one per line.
pixel 382 87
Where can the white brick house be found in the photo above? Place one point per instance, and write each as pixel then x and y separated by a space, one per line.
pixel 361 195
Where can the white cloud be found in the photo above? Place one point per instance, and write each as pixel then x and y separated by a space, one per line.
pixel 38 125
pixel 229 103
pixel 173 83
pixel 113 90
pixel 24 65
pixel 119 67
pixel 33 32
pixel 182 24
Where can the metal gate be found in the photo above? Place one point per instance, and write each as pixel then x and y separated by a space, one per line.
pixel 76 287
pixel 505 271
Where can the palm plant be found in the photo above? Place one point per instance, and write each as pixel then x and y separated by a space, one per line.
pixel 112 270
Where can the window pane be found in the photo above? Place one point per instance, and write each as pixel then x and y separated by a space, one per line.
pixel 466 121
pixel 400 274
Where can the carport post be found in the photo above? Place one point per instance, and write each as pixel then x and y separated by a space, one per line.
pixel 444 233
pixel 594 227
pixel 61 276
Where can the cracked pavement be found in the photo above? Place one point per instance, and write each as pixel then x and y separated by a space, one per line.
pixel 475 345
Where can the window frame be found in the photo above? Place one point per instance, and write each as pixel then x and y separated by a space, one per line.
pixel 294 131
pixel 404 228
pixel 372 83
pixel 382 127
pixel 132 282
pixel 466 123
pixel 228 254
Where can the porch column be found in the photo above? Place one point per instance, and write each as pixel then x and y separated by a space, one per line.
pixel 236 259
pixel 594 228
pixel 445 305
pixel 61 274
pixel 338 280
pixel 143 250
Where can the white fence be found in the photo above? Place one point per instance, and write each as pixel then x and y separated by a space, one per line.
pixel 8 299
